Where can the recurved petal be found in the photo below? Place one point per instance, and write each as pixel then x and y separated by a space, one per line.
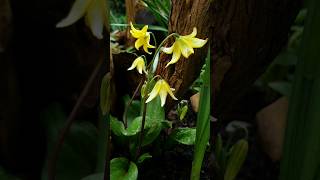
pixel 168 50
pixel 96 17
pixel 171 94
pixel 193 34
pixel 196 42
pixel 176 55
pixel 78 10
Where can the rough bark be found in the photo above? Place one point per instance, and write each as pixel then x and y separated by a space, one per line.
pixel 184 16
pixel 247 36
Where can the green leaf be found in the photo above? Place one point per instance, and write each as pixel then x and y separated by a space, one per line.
pixel 182 112
pixel 203 122
pixel 117 126
pixel 122 169
pixel 135 127
pixel 237 157
pixel 152 131
pixel 185 136
pixel 166 124
pixel 143 157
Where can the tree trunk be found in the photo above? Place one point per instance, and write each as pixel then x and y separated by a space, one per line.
pixel 185 15
pixel 247 36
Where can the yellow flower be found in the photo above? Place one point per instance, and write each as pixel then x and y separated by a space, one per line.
pixel 95 12
pixel 139 64
pixel 162 89
pixel 143 38
pixel 184 45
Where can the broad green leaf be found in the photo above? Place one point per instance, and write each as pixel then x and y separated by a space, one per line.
pixel 166 124
pixel 123 169
pixel 143 157
pixel 152 131
pixel 135 127
pixel 185 136
pixel 117 126
pixel 237 157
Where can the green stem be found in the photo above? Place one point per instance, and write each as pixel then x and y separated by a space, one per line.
pixel 130 102
pixel 142 123
pixel 154 64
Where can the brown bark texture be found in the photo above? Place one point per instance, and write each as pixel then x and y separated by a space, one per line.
pixel 247 36
pixel 185 15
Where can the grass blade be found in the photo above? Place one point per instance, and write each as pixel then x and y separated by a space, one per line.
pixel 301 156
pixel 203 123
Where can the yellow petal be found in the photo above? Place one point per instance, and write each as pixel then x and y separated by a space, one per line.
pixel 144 29
pixel 168 50
pixel 134 64
pixel 154 92
pixel 176 54
pixel 186 49
pixel 163 96
pixel 96 16
pixel 193 34
pixel 139 42
pixel 146 44
pixel 134 30
pixel 170 93
pixel 78 10
pixel 196 42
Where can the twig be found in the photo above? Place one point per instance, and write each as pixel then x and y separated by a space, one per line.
pixel 54 158
pixel 130 102
pixel 142 125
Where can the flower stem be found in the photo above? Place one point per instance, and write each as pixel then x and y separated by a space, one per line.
pixel 142 124
pixel 130 102
pixel 154 64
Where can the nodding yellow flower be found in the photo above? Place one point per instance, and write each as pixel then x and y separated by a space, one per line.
pixel 94 11
pixel 184 45
pixel 162 89
pixel 143 38
pixel 139 64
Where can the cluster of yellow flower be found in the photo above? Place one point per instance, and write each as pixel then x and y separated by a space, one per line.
pixel 183 45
